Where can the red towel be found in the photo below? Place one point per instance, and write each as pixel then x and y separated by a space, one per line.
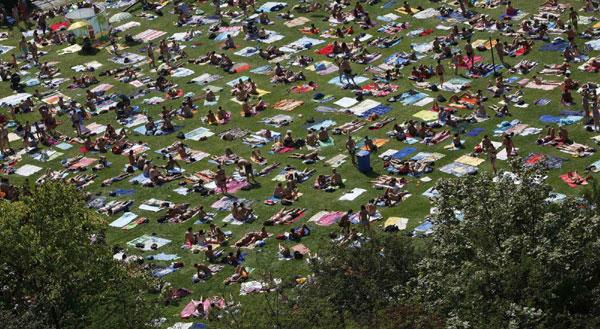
pixel 59 26
pixel 534 159
pixel 325 50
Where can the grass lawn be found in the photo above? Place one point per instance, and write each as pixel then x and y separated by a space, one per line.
pixel 415 208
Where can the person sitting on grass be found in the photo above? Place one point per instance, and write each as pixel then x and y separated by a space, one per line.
pixel 240 212
pixel 204 271
pixel 240 274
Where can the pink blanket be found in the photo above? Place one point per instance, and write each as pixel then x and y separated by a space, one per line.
pixel 329 218
pixel 190 309
pixel 232 186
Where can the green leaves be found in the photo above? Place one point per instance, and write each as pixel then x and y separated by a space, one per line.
pixel 54 272
pixel 514 258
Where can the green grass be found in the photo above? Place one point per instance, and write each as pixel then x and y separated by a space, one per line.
pixel 415 208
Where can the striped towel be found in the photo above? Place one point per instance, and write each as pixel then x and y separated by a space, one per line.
pixel 149 35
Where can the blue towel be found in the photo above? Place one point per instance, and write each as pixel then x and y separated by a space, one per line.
pixel 404 152
pixel 568 112
pixel 474 132
pixel 426 226
pixel 379 110
pixel 125 219
pixel 542 101
pixel 549 118
pixel 571 119
pixel 388 4
pixel 558 46
pixel 123 192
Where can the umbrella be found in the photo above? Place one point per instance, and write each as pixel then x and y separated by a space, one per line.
pixel 120 17
pixel 77 25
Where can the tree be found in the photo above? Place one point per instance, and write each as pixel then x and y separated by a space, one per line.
pixel 353 287
pixel 55 273
pixel 504 256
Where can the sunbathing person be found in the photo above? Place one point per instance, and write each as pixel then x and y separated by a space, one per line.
pixel 252 237
pixel 157 177
pixel 352 236
pixel 240 274
pixel 313 156
pixel 285 217
pixel 575 178
pixel 51 176
pixel 81 179
pixel 391 197
pixel 109 181
pixel 115 207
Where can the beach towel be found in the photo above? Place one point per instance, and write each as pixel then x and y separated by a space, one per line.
pixel 326 218
pixel 346 102
pixel 287 104
pixel 352 194
pixel 426 115
pixel 69 50
pixel 570 181
pixel 27 170
pixel 149 35
pixel 298 21
pixel 83 162
pixel 404 152
pixel 126 58
pixel 206 78
pixel 469 160
pixel 559 45
pixel 400 223
pixel 474 132
pixel 126 26
pixel 148 241
pixel 458 169
pixel 271 6
pixel 125 219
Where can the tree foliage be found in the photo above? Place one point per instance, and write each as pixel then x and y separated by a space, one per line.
pixel 53 273
pixel 503 254
pixel 352 287
pixel 514 260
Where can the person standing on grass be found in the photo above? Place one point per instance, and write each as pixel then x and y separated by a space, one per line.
pixel 470 54
pixel 456 60
pixel 347 70
pixel 247 167
pixel 573 18
pixel 34 52
pixel 364 219
pixel 221 179
pixel 23 46
pixel 491 153
pixel 500 50
pixel 439 70
pixel 151 53
pixel 510 146
pixel 351 147
pixel 595 113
